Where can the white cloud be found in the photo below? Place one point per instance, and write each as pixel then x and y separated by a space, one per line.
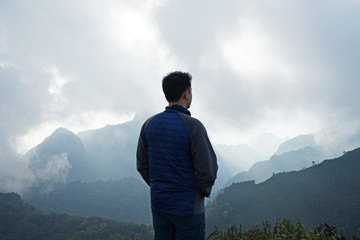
pixel 285 67
pixel 254 54
pixel 15 175
pixel 53 168
pixel 55 89
pixel 76 123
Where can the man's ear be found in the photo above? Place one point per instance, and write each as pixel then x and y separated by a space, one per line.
pixel 186 94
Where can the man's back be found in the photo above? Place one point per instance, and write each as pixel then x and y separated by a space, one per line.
pixel 176 159
pixel 171 172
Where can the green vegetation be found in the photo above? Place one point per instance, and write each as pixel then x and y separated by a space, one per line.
pixel 125 200
pixel 280 230
pixel 20 221
pixel 328 192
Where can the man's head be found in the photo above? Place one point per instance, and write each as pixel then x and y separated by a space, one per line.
pixel 177 88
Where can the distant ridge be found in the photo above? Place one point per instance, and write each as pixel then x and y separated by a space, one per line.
pixel 326 192
pixel 296 143
pixel 287 161
pixel 92 155
pixel 125 200
pixel 19 221
pixel 100 154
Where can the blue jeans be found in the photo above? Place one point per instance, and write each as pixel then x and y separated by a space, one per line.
pixel 169 227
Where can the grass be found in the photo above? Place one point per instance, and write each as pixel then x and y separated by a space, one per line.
pixel 280 230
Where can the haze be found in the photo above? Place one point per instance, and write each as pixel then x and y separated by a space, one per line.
pixel 279 68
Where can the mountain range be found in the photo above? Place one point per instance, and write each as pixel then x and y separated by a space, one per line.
pixel 80 168
pixel 294 154
pixel 325 192
pixel 93 173
pixel 99 154
pixel 109 153
pixel 125 200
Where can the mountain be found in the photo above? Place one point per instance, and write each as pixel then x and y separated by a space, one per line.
pixel 296 143
pixel 326 192
pixel 293 154
pixel 287 161
pixel 61 156
pixel 19 221
pixel 111 150
pixel 223 175
pixel 92 155
pixel 125 200
pixel 100 154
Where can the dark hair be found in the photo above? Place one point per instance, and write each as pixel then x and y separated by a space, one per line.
pixel 174 84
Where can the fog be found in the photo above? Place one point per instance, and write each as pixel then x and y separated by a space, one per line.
pixel 282 68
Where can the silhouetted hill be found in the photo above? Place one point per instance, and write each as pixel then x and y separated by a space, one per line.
pixel 288 161
pixel 327 192
pixel 126 200
pixel 20 221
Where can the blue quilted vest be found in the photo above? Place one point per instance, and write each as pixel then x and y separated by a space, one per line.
pixel 171 173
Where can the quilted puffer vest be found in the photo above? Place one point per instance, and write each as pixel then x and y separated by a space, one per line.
pixel 171 172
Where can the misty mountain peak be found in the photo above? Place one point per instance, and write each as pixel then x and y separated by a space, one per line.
pixel 60 156
pixel 61 140
pixel 61 131
pixel 296 143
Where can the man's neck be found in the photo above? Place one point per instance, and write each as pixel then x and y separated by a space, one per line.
pixel 181 103
pixel 178 107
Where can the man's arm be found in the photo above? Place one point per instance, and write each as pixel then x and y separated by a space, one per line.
pixel 203 155
pixel 142 160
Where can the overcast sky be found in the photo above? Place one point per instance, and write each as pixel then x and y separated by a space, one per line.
pixel 280 67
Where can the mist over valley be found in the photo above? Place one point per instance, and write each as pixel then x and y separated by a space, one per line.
pixel 274 83
pixel 93 173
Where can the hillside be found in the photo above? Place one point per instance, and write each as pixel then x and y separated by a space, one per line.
pixel 92 155
pixel 111 150
pixel 20 221
pixel 284 162
pixel 296 143
pixel 126 200
pixel 327 192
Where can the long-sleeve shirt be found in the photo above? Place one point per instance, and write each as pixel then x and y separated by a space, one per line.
pixel 176 159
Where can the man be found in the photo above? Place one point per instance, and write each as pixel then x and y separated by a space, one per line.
pixel 176 159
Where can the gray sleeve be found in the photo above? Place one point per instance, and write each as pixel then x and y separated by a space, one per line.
pixel 142 160
pixel 203 155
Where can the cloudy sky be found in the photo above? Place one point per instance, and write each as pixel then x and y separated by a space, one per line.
pixel 280 67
